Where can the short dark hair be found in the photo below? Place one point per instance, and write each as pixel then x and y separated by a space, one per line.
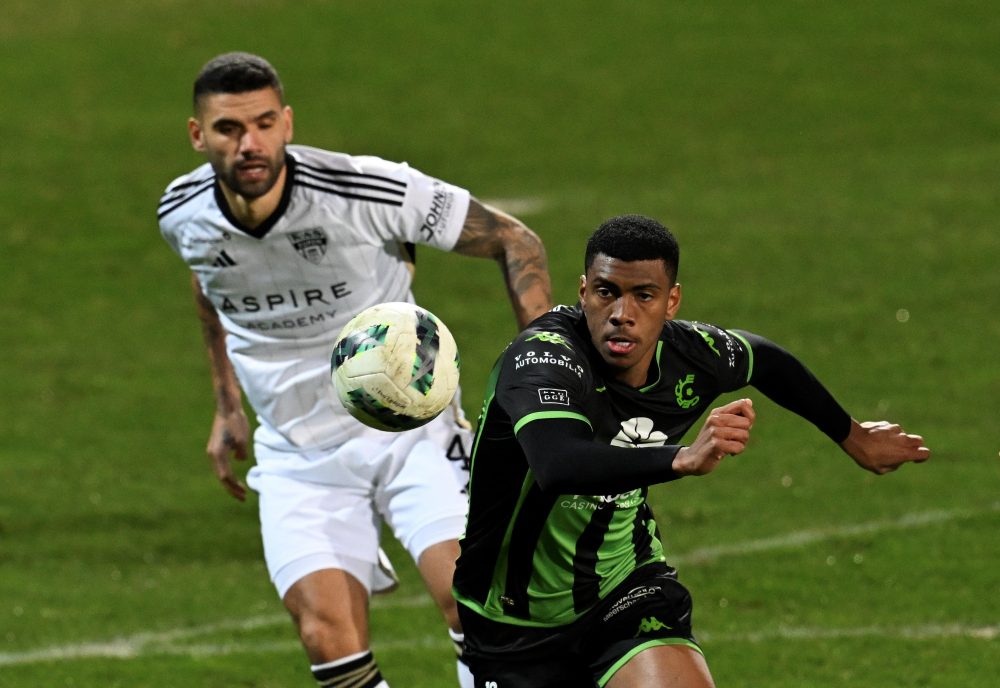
pixel 236 73
pixel 634 237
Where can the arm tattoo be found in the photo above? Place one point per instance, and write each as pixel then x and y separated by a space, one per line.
pixel 480 234
pixel 491 233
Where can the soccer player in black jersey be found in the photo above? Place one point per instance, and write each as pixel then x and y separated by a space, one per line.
pixel 562 580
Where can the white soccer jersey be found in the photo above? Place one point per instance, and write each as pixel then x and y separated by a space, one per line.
pixel 284 290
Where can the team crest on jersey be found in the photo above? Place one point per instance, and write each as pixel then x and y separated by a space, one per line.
pixel 684 391
pixel 310 243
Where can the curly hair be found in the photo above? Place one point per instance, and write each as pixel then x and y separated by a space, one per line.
pixel 634 237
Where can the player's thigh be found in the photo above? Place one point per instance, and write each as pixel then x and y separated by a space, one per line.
pixel 648 610
pixel 307 526
pixel 421 501
pixel 664 666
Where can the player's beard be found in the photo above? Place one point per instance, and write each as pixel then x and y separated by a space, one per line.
pixel 254 188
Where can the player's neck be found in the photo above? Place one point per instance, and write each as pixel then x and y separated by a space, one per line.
pixel 252 212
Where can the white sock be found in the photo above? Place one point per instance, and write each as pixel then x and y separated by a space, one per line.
pixel 465 679
pixel 464 674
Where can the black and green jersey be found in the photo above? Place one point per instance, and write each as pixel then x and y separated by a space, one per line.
pixel 542 557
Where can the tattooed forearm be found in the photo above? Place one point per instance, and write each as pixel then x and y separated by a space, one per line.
pixel 224 383
pixel 491 233
pixel 480 234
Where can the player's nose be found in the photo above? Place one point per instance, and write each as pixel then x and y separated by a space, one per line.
pixel 621 311
pixel 250 142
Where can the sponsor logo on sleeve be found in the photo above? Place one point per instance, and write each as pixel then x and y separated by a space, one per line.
pixel 730 348
pixel 442 203
pixel 547 395
pixel 547 358
pixel 728 342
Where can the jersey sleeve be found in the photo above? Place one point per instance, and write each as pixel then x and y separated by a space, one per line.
pixel 169 234
pixel 169 229
pixel 431 211
pixel 543 376
pixel 789 383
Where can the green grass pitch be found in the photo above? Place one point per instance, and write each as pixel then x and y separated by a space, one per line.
pixel 829 168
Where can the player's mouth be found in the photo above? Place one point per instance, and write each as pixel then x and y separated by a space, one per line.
pixel 253 170
pixel 620 346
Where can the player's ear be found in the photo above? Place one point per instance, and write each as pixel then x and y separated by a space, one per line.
pixel 673 301
pixel 287 114
pixel 583 285
pixel 196 135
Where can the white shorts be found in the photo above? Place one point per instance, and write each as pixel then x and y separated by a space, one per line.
pixel 331 515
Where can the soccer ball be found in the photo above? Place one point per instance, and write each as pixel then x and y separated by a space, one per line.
pixel 395 366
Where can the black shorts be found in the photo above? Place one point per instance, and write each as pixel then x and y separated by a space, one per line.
pixel 647 609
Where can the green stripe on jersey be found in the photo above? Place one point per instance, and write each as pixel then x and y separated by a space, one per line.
pixel 540 415
pixel 554 575
pixel 749 354
pixel 495 607
pixel 659 368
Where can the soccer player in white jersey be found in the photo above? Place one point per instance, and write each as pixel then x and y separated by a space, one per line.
pixel 286 243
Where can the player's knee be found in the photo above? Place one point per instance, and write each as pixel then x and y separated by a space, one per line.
pixel 326 639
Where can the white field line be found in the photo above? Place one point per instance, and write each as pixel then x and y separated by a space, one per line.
pixel 172 641
pixel 126 649
pixel 801 538
pixel 924 632
pixel 147 643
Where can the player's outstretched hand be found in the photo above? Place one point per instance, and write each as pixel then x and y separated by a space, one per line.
pixel 882 447
pixel 229 439
pixel 726 432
